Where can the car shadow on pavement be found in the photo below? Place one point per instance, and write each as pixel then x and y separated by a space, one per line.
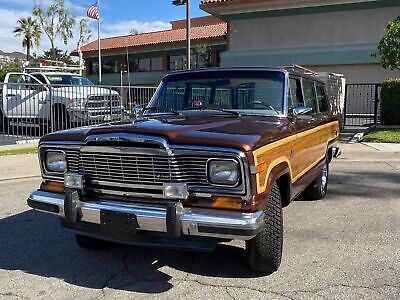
pixel 36 244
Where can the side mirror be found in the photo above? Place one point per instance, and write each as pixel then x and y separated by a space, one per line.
pixel 302 110
pixel 137 111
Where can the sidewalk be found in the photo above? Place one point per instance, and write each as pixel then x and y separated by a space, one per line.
pixel 370 151
pixel 18 166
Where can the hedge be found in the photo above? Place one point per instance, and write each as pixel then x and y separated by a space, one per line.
pixel 390 102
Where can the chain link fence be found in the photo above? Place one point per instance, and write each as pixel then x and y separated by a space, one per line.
pixel 30 110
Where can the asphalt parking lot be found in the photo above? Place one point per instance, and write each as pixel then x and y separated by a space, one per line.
pixel 343 247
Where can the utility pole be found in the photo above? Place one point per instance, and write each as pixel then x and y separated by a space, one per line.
pixel 188 37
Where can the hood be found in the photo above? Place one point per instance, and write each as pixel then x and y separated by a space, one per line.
pixel 245 133
pixel 81 92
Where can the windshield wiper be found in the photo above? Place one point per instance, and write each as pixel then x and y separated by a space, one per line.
pixel 233 112
pixel 171 111
pixel 273 108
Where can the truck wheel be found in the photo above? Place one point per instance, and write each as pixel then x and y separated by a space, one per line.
pixel 264 251
pixel 90 243
pixel 60 118
pixel 317 190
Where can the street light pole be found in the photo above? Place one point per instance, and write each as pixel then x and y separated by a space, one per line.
pixel 188 36
pixel 188 46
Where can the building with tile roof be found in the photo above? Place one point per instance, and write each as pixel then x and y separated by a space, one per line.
pixel 339 36
pixel 148 56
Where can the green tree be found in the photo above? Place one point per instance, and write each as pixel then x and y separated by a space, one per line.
pixel 389 46
pixel 56 21
pixel 204 52
pixel 30 30
pixel 58 55
pixel 134 31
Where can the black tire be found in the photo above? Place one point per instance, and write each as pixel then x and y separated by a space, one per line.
pixel 318 189
pixel 90 243
pixel 3 123
pixel 264 251
pixel 60 118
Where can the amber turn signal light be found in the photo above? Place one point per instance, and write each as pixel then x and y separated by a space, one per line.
pixel 261 167
pixel 227 202
pixel 53 187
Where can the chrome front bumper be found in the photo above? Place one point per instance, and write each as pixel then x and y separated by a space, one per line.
pixel 194 221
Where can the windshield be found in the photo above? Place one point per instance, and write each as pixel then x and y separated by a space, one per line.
pixel 68 80
pixel 241 91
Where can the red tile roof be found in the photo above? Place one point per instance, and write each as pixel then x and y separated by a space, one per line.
pixel 215 1
pixel 172 36
pixel 208 3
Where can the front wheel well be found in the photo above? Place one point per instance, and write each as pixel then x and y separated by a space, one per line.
pixel 284 187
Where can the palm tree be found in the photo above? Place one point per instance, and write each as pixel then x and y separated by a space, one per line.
pixel 31 32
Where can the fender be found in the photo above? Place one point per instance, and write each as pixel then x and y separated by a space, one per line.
pixel 280 173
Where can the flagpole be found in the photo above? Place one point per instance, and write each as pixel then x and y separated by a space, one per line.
pixel 98 37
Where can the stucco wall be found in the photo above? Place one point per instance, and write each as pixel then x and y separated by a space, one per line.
pixel 311 30
pixel 340 42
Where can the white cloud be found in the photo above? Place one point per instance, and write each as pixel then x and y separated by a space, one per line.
pixel 9 18
pixel 8 21
pixel 124 27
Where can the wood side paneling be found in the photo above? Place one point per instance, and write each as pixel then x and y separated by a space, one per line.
pixel 301 151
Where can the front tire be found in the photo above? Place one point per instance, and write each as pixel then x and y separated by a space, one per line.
pixel 264 251
pixel 318 189
pixel 86 242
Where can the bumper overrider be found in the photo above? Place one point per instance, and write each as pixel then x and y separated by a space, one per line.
pixel 172 219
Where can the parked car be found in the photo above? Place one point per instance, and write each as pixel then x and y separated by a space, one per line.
pixel 215 156
pixel 60 99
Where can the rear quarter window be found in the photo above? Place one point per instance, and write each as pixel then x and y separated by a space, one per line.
pixel 310 98
pixel 322 99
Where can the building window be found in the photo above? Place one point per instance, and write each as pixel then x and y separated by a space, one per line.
pixel 177 62
pixel 156 64
pixel 145 64
pixel 112 66
pixel 95 68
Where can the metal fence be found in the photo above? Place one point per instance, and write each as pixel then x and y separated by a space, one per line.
pixel 362 107
pixel 29 111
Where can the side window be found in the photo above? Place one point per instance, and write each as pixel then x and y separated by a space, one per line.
pixel 310 98
pixel 322 99
pixel 17 81
pixel 296 97
pixel 40 78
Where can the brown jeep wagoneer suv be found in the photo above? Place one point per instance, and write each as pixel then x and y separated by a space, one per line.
pixel 214 157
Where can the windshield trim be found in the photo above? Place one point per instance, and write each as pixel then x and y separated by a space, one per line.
pixel 244 72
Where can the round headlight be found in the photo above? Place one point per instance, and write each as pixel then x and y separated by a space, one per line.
pixel 56 162
pixel 223 171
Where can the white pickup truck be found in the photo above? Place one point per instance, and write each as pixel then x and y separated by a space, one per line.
pixel 62 100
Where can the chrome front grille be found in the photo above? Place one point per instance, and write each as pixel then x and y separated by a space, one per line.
pixel 131 171
pixel 139 168
pixel 103 104
pixel 73 157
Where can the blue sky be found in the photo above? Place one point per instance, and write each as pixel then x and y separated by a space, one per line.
pixel 118 18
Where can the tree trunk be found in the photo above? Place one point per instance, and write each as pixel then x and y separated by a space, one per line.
pixel 28 51
pixel 53 50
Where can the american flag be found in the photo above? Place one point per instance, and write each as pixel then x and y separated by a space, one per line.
pixel 93 12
